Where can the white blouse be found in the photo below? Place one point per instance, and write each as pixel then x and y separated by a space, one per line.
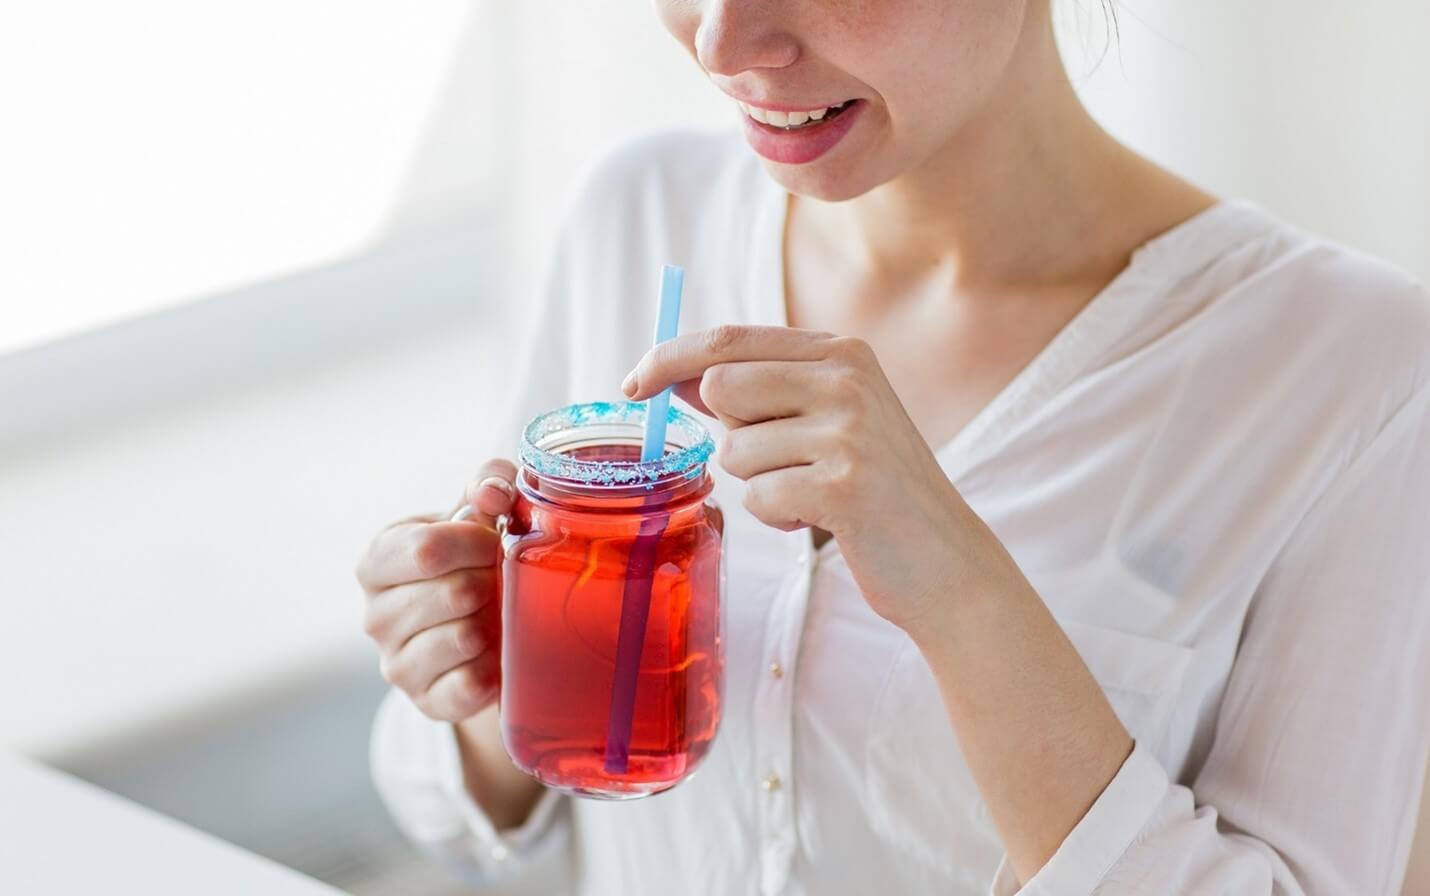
pixel 1218 478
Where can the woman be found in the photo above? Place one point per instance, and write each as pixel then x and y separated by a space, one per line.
pixel 1074 516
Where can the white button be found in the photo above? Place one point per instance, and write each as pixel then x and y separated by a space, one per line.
pixel 776 670
pixel 803 559
pixel 500 852
pixel 771 783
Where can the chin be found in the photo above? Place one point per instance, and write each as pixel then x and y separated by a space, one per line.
pixel 825 180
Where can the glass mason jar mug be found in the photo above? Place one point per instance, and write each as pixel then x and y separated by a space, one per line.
pixel 612 653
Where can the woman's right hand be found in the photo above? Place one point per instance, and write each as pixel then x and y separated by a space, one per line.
pixel 434 603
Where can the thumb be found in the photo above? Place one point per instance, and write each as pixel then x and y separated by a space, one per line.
pixel 491 491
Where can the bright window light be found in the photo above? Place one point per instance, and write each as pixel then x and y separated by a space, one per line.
pixel 160 150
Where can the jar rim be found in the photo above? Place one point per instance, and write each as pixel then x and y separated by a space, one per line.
pixel 686 462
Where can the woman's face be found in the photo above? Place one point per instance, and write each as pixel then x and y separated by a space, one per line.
pixel 911 74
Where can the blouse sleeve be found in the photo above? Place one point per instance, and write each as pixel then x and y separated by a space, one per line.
pixel 1312 783
pixel 417 771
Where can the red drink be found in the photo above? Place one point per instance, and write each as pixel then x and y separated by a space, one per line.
pixel 578 551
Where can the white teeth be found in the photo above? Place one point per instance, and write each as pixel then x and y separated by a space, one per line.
pixel 788 119
pixel 754 112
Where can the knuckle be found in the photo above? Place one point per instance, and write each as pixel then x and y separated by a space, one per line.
pixel 472 689
pixel 374 625
pixel 727 447
pixel 845 378
pixel 467 637
pixel 722 338
pixel 709 391
pixel 390 670
pixel 844 440
pixel 424 705
pixel 661 355
pixel 466 703
pixel 655 357
pixel 856 422
pixel 715 383
pixel 466 681
pixel 366 569
pixel 755 495
pixel 428 552
pixel 733 458
pixel 851 349
pixel 750 501
pixel 497 466
pixel 838 476
pixel 464 593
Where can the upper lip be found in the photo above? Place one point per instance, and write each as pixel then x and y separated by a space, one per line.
pixel 770 106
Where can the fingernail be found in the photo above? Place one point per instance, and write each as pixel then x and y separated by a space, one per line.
pixel 497 483
pixel 628 385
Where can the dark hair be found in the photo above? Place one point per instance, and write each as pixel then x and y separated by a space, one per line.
pixel 1111 30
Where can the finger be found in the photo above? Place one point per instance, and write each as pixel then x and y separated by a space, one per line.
pixel 751 391
pixel 395 614
pixel 687 357
pixel 491 491
pixel 419 518
pixel 689 392
pixel 787 498
pixel 413 552
pixel 464 691
pixel 772 445
pixel 436 650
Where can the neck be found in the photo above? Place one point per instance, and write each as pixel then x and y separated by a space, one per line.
pixel 1030 192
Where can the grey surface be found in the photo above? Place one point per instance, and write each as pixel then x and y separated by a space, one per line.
pixel 60 836
pixel 285 778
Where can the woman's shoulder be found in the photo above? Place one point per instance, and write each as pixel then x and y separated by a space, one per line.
pixel 1245 245
pixel 1347 284
pixel 1264 320
pixel 1315 302
pixel 1365 309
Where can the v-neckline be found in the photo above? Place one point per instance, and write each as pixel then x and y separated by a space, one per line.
pixel 1182 249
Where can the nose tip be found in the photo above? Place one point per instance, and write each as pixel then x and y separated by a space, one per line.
pixel 734 37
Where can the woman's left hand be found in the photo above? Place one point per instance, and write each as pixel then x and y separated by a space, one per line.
pixel 820 438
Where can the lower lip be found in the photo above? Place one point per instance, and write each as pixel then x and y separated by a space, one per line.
pixel 801 146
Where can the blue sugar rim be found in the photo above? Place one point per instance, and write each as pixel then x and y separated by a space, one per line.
pixel 689 461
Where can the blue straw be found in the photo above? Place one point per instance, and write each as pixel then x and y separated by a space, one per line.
pixel 672 281
pixel 641 562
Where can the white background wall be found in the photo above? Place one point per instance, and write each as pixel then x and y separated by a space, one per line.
pixel 187 148
pixel 1319 109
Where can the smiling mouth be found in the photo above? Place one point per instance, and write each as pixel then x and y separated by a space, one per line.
pixel 795 121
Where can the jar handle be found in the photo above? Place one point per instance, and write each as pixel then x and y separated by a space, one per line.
pixel 467 511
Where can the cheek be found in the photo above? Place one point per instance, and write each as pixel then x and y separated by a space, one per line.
pixel 926 65
pixel 939 65
pixel 681 18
